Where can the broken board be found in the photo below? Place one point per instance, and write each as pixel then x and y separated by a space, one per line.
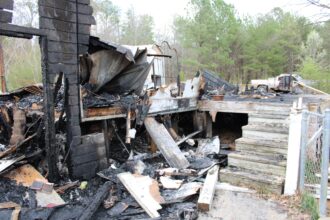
pixel 26 175
pixel 207 193
pixel 186 191
pixel 169 183
pixel 166 144
pixel 143 191
pixel 5 164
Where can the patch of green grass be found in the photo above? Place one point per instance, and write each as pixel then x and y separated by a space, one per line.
pixel 309 205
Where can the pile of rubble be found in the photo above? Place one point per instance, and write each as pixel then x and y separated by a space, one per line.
pixel 144 186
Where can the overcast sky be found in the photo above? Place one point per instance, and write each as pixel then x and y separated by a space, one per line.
pixel 163 11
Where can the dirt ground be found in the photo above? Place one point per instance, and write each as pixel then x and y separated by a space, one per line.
pixel 230 205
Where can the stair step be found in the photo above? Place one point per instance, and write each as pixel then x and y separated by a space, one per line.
pixel 268 148
pixel 264 135
pixel 267 122
pixel 277 112
pixel 267 128
pixel 269 165
pixel 282 144
pixel 261 152
pixel 283 117
pixel 258 181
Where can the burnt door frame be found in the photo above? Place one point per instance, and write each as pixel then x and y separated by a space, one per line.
pixel 15 31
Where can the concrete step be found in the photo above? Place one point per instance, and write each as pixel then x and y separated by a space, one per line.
pixel 256 163
pixel 265 132
pixel 258 181
pixel 267 128
pixel 268 122
pixel 277 116
pixel 262 147
pixel 277 112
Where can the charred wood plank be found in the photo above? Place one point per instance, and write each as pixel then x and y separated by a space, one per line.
pixel 18 31
pixel 7 4
pixel 6 16
pixel 49 115
pixel 101 194
pixel 97 112
pixel 166 144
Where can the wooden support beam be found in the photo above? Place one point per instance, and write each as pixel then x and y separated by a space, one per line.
pixel 166 144
pixel 18 31
pixel 106 139
pixel 208 122
pixel 207 193
pixel 98 112
pixel 243 107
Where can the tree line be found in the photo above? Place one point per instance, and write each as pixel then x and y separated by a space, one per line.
pixel 132 29
pixel 210 36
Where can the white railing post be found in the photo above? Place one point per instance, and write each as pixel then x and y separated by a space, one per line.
pixel 293 155
pixel 303 146
pixel 325 164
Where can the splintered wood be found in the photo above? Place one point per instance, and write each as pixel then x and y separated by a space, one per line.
pixel 26 175
pixel 145 191
pixel 206 195
pixel 166 144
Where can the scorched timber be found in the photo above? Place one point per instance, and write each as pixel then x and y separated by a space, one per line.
pixel 166 144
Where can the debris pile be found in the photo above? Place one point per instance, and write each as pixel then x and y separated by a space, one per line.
pixel 144 186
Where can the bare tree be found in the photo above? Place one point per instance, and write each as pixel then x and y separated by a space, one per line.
pixel 324 14
pixel 319 3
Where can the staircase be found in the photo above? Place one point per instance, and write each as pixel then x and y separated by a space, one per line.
pixel 259 161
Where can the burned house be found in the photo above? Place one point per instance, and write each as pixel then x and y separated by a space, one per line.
pixel 103 110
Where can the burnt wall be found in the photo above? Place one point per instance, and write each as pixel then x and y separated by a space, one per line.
pixel 67 25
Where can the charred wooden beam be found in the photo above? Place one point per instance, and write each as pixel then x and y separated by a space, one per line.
pixel 12 30
pixel 49 114
pixel 101 194
pixel 97 112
